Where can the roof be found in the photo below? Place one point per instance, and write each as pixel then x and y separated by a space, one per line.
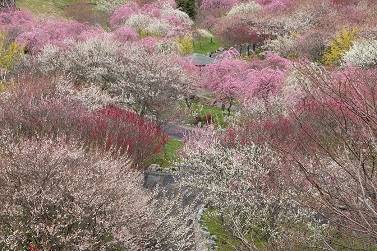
pixel 200 59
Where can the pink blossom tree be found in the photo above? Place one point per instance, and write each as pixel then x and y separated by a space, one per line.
pixel 217 7
pixel 58 33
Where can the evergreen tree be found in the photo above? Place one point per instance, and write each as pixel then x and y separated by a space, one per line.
pixel 188 6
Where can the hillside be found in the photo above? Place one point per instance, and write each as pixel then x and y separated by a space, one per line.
pixel 188 125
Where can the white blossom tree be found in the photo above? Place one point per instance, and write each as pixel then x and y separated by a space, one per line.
pixel 57 196
pixel 150 82
pixel 246 188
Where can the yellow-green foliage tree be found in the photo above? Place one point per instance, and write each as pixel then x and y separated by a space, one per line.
pixel 2 87
pixel 339 46
pixel 185 45
pixel 9 53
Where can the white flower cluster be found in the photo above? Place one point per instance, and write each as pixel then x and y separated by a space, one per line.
pixel 204 33
pixel 169 20
pixel 243 9
pixel 109 5
pixel 70 198
pixel 363 53
pixel 157 27
pixel 122 70
pixel 168 12
pixel 241 184
pixel 92 96
pixel 283 45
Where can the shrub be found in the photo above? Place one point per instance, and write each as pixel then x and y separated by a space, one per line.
pixel 185 45
pixel 363 53
pixel 9 53
pixel 339 46
pixel 126 131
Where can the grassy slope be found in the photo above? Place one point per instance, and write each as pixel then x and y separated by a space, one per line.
pixel 205 45
pixel 46 7
pixel 169 153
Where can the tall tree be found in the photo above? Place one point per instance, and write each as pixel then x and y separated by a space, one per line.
pixel 7 4
pixel 188 6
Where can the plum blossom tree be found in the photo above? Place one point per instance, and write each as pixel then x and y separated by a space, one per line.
pixel 362 53
pixel 329 140
pixel 122 13
pixel 15 22
pixel 232 79
pixel 340 122
pixel 274 4
pixel 217 7
pixel 125 34
pixel 56 195
pixel 149 86
pixel 159 19
pixel 244 9
pixel 58 33
pixel 236 30
pixel 245 187
pixel 225 78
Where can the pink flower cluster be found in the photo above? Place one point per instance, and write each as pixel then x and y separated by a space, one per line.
pixel 125 34
pixel 234 78
pixel 224 5
pixel 55 32
pixel 162 11
pixel 122 13
pixel 275 4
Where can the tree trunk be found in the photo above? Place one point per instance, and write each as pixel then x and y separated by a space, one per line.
pixel 7 4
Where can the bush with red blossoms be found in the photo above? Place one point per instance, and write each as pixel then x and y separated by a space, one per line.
pixel 126 131
pixel 36 107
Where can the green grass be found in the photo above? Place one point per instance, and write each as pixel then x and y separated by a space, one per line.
pixel 47 7
pixel 169 153
pixel 217 113
pixel 224 240
pixel 205 45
